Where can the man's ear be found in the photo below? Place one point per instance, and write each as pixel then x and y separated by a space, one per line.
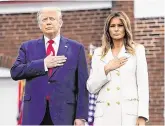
pixel 61 23
pixel 39 26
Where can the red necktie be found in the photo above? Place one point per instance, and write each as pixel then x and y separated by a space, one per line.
pixel 48 52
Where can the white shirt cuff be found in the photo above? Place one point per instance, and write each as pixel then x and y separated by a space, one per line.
pixel 46 69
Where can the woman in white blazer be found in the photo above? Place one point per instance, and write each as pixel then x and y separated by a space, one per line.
pixel 119 76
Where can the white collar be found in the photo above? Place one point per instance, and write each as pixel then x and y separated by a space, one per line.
pixel 56 39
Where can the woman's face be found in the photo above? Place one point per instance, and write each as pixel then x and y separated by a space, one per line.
pixel 116 29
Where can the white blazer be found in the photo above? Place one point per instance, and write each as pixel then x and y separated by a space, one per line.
pixel 133 79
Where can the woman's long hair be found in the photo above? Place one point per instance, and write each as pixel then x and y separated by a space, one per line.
pixel 107 41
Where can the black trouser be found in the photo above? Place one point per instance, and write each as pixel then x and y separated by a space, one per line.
pixel 47 119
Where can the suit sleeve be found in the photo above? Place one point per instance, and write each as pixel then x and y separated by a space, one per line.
pixel 97 77
pixel 82 95
pixel 22 69
pixel 142 82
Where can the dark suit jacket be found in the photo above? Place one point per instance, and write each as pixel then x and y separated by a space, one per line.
pixel 66 86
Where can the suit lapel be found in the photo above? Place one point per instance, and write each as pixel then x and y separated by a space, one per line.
pixel 122 52
pixel 41 48
pixel 62 50
pixel 107 57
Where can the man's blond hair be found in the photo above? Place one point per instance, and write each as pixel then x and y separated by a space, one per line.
pixel 56 9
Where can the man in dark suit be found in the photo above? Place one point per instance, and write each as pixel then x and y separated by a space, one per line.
pixel 55 70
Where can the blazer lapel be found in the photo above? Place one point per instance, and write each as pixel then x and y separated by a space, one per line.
pixel 124 53
pixel 41 48
pixel 107 57
pixel 63 47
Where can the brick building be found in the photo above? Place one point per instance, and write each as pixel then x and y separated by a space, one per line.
pixel 84 21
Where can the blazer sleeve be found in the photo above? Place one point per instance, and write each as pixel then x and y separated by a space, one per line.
pixel 82 93
pixel 97 78
pixel 22 69
pixel 142 82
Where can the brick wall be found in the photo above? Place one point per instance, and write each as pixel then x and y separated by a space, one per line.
pixel 150 33
pixel 85 26
pixel 16 28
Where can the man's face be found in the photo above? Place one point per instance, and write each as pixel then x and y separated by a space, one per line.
pixel 50 22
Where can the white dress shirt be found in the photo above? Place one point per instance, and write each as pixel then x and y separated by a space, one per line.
pixel 55 45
